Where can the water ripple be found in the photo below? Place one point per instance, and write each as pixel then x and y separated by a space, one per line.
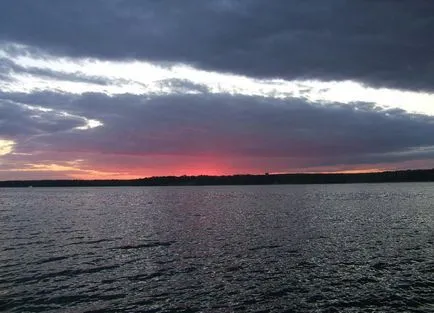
pixel 334 248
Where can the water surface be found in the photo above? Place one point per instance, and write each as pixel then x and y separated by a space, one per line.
pixel 312 248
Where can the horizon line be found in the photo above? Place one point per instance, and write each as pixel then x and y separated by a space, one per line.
pixel 323 173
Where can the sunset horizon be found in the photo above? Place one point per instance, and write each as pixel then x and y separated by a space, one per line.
pixel 216 156
pixel 129 99
pixel 211 173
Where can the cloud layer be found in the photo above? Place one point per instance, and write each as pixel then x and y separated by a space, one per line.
pixel 380 43
pixel 225 131
pixel 116 88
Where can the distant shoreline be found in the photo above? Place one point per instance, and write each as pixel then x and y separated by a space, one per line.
pixel 267 179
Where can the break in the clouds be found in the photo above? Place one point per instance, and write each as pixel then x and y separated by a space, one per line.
pixel 136 88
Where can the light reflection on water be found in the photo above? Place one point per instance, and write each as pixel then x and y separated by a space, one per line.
pixel 322 248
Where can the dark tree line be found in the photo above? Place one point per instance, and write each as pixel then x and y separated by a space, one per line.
pixel 392 176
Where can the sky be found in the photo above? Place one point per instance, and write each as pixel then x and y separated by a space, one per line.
pixel 119 89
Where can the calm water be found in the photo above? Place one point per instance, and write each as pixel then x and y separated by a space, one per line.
pixel 326 248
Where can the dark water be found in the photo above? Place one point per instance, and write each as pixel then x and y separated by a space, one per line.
pixel 334 248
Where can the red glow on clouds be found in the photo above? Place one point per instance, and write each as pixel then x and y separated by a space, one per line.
pixel 98 166
pixel 206 167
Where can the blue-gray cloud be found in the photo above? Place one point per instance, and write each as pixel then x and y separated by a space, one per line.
pixel 381 43
pixel 21 121
pixel 228 126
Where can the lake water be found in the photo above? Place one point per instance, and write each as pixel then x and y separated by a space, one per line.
pixel 310 248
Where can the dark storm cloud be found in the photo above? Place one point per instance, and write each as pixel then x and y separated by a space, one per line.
pixel 18 120
pixel 381 43
pixel 237 126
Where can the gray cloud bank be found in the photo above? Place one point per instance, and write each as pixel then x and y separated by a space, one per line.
pixel 380 43
pixel 220 125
